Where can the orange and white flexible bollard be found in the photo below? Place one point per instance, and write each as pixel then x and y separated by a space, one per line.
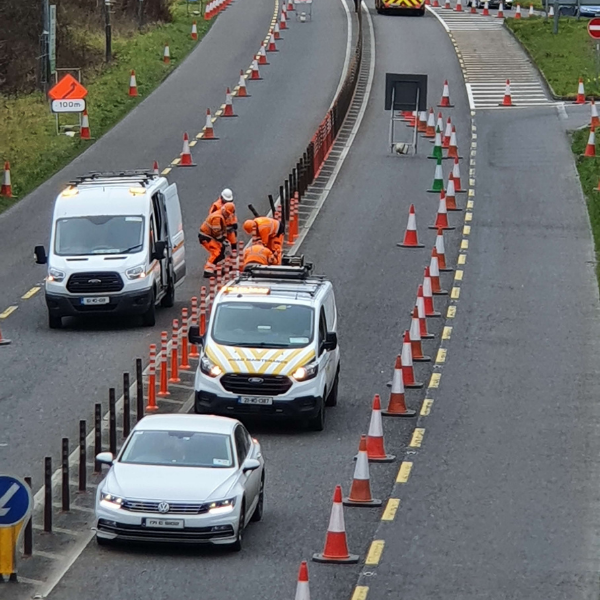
pixel 163 389
pixel 360 491
pixel 194 354
pixel 175 353
pixel 152 406
pixel 203 311
pixel 185 348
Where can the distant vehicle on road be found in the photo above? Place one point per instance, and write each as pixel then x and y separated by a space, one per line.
pixel 182 479
pixel 401 7
pixel 116 247
pixel 584 11
pixel 491 4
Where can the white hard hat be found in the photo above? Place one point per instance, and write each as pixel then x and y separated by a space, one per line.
pixel 227 195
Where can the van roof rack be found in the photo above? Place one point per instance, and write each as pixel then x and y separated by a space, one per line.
pixel 283 272
pixel 141 177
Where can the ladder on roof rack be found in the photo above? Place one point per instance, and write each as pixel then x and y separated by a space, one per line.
pixel 300 273
pixel 139 176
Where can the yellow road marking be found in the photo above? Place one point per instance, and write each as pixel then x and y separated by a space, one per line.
pixel 474 135
pixel 218 114
pixel 471 193
pixel 464 245
pixel 404 472
pixel 473 152
pixel 426 408
pixel 462 259
pixel 9 311
pixel 447 332
pixel 458 275
pixel 466 230
pixel 451 312
pixel 455 293
pixel 417 437
pixel 389 514
pixel 434 382
pixel 248 72
pixel 200 135
pixel 474 144
pixel 360 592
pixel 468 217
pixel 193 143
pixel 166 171
pixel 441 355
pixel 473 127
pixel 176 161
pixel 472 113
pixel 375 552
pixel 32 292
pixel 471 172
pixel 214 118
pixel 472 162
pixel 470 204
pixel 471 182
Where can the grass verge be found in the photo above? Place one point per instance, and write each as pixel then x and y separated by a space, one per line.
pixel 564 57
pixel 27 128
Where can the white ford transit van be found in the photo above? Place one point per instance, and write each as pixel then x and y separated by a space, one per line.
pixel 116 247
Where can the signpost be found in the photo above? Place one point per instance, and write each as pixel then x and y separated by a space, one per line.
pixel 594 31
pixel 52 40
pixel 67 96
pixel 16 503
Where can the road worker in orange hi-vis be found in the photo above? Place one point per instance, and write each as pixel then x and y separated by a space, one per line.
pixel 213 237
pixel 226 197
pixel 269 231
pixel 258 254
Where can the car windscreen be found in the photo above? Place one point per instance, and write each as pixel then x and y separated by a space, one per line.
pixel 263 325
pixel 179 449
pixel 112 234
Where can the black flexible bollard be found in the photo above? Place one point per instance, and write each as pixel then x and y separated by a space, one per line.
pixel 66 495
pixel 126 406
pixel 48 494
pixel 139 381
pixel 97 436
pixel 82 456
pixel 281 202
pixel 112 423
pixel 28 535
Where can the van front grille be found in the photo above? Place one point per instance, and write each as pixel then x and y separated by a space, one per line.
pixel 94 283
pixel 256 385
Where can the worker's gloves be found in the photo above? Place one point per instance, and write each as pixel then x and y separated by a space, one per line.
pixel 227 248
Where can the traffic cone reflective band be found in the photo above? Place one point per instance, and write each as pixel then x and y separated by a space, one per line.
pixel 194 31
pixel 133 92
pixel 595 120
pixel 456 177
pixel 397 404
pixel 360 492
pixel 434 275
pixel 242 92
pixel 447 134
pixel 336 546
pixel 302 589
pixel 430 128
pixel 422 123
pixel 486 9
pixel 531 10
pixel 551 11
pixel 428 296
pixel 425 335
pixel 414 335
pixel 440 250
pixel 255 74
pixel 408 371
pixel 580 93
pixel 375 448
pixel 518 12
pixel 276 32
pixel 453 145
pixel 84 132
pixel 459 7
pixel 262 57
pixel 166 54
pixel 283 21
pixel 500 14
pixel 209 132
pixel 436 152
pixel 155 168
pixel 438 178
pixel 186 154
pixel 411 239
pixel 272 47
pixel 228 110
pixel 451 195
pixel 6 189
pixel 590 149
pixel 441 219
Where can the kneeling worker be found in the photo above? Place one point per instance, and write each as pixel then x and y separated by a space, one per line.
pixel 213 237
pixel 258 254
pixel 269 231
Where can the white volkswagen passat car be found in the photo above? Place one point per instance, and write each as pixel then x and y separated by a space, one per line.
pixel 182 478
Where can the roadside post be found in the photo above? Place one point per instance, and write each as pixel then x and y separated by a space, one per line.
pixel 16 502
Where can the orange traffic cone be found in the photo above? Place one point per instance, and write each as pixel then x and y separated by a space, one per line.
pixel 375 447
pixel 255 74
pixel 531 10
pixel 447 134
pixel 422 122
pixel 595 119
pixel 428 296
pixel 425 335
pixel 447 5
pixel 507 101
pixel 242 92
pixel 580 93
pixel 441 220
pixel 430 128
pixel 209 132
pixel 276 31
pixel 336 546
pixel 360 492
pixel 434 275
pixel 456 176
pixel 590 149
pixel 440 250
pixel 500 14
pixel 408 370
pixel 518 12
pixel 133 91
pixel 194 31
pixel 186 154
pixel 453 145
pixel 6 189
pixel 473 8
pixel 228 110
pixel 414 335
pixel 302 589
pixel 283 21
pixel 458 7
pixel 271 47
pixel 155 169
pixel 4 341
pixel 451 195
pixel 167 54
pixel 397 403
pixel 84 132
pixel 411 239
pixel 486 9
pixel 262 56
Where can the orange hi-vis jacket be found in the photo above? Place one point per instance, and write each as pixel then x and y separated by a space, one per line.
pixel 232 222
pixel 268 233
pixel 215 226
pixel 258 254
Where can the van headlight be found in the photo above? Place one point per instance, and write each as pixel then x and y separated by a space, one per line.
pixel 221 507
pixel 209 368
pixel 55 275
pixel 306 372
pixel 110 500
pixel 136 272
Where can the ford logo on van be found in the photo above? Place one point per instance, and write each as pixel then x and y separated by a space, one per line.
pixel 255 380
pixel 94 280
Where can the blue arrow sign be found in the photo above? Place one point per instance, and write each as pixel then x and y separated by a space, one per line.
pixel 15 500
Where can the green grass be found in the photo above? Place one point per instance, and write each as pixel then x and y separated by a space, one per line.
pixel 27 128
pixel 564 57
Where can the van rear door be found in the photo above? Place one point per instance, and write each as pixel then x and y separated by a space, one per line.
pixel 175 230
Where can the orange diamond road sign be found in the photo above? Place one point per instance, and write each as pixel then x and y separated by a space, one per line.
pixel 68 88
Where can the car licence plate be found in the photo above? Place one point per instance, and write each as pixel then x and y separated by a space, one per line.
pixel 164 523
pixel 255 400
pixel 95 300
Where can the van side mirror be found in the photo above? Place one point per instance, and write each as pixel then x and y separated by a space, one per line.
pixel 40 255
pixel 330 342
pixel 159 250
pixel 194 336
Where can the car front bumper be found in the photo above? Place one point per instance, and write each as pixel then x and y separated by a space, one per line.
pixel 129 303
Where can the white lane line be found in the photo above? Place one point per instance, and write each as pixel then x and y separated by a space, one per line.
pixel 470 96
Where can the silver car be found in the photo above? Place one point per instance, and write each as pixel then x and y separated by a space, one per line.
pixel 182 478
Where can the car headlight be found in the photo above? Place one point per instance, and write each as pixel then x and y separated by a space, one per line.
pixel 306 372
pixel 55 275
pixel 209 368
pixel 136 272
pixel 221 507
pixel 110 500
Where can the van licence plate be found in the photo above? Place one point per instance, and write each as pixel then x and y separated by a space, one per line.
pixel 95 300
pixel 164 523
pixel 255 400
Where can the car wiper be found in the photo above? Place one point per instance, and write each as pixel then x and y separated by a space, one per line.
pixel 128 250
pixel 261 345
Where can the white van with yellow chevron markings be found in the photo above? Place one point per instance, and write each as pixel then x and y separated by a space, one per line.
pixel 270 347
pixel 415 7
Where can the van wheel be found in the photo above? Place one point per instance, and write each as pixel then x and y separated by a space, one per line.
pixel 318 423
pixel 333 395
pixel 149 317
pixel 54 322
